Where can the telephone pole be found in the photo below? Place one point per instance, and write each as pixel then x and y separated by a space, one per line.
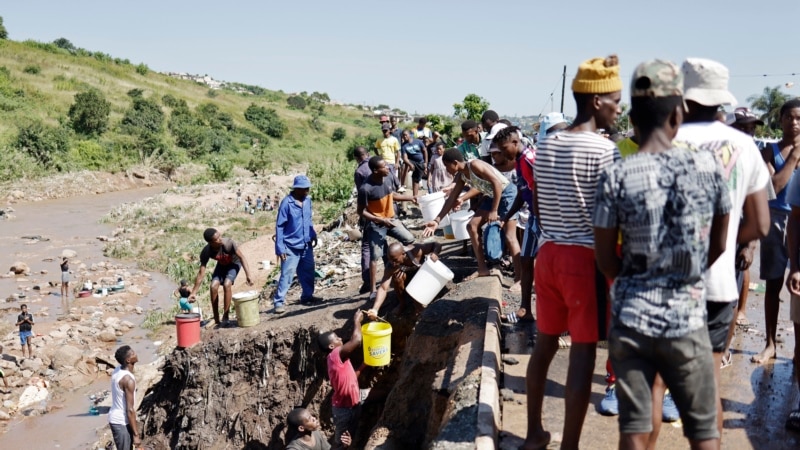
pixel 563 85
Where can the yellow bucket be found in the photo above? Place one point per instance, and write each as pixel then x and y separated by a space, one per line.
pixel 246 304
pixel 377 343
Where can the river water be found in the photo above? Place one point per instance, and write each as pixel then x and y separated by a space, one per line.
pixel 70 223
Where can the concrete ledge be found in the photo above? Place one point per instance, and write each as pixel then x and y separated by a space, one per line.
pixel 489 413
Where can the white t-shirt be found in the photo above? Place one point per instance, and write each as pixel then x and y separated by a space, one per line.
pixel 746 174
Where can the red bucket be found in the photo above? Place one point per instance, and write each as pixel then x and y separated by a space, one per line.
pixel 188 326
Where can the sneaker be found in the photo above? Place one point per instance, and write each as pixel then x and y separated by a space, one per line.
pixel 364 288
pixel 669 411
pixel 609 405
pixel 401 190
pixel 280 309
pixel 727 360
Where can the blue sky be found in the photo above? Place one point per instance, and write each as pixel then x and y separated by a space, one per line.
pixel 423 56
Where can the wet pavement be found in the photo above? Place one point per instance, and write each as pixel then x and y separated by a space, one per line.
pixel 756 398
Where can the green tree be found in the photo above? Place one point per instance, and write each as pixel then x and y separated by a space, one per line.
pixel 471 108
pixel 3 31
pixel 296 102
pixel 65 44
pixel 143 117
pixel 266 120
pixel 623 122
pixel 317 110
pixel 89 113
pixel 45 143
pixel 769 105
pixel 142 69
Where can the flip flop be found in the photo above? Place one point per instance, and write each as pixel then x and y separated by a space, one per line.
pixel 563 343
pixel 540 446
pixel 793 421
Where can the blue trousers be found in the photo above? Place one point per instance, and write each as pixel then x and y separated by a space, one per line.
pixel 300 261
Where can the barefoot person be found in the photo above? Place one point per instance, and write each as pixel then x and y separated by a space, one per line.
pixel 122 414
pixel 25 324
pixel 405 261
pixel 65 278
pixel 229 261
pixel 782 160
pixel 483 178
pixel 671 205
pixel 346 398
pixel 568 166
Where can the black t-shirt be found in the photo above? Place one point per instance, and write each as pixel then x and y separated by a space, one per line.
pixel 225 255
pixel 65 266
pixel 25 326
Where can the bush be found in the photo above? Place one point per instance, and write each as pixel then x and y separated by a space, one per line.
pixel 15 164
pixel 89 155
pixel 175 103
pixel 266 120
pixel 144 116
pixel 296 102
pixel 32 69
pixel 362 140
pixel 43 142
pixel 89 114
pixel 339 134
pixel 3 31
pixel 142 69
pixel 260 163
pixel 220 169
pixel 212 93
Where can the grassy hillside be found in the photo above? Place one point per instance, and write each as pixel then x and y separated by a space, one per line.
pixel 38 84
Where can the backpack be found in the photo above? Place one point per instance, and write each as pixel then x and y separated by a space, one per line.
pixel 493 243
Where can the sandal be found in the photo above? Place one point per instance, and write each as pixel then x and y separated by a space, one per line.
pixel 793 421
pixel 564 342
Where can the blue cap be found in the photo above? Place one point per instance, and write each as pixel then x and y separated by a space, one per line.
pixel 548 120
pixel 301 182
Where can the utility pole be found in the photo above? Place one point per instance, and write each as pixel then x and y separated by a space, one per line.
pixel 563 85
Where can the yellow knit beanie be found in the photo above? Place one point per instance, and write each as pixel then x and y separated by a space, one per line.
pixel 598 76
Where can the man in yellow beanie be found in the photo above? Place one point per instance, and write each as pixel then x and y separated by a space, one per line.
pixel 571 293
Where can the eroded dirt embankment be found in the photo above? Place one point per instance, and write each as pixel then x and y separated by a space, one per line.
pixel 235 389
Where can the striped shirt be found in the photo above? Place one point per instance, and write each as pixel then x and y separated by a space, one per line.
pixel 568 166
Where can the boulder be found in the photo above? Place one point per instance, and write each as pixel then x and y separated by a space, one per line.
pixel 20 268
pixel 4 415
pixel 32 364
pixel 107 336
pixel 67 253
pixel 66 356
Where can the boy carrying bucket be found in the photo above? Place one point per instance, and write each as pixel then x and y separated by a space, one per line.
pixel 346 399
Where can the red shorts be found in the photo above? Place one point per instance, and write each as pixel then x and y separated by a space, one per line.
pixel 567 286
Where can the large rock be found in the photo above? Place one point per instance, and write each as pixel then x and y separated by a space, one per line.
pixel 67 253
pixel 107 335
pixel 32 364
pixel 20 268
pixel 4 415
pixel 66 356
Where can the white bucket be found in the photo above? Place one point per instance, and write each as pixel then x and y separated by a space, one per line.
pixel 459 221
pixel 429 280
pixel 265 264
pixel 87 286
pixel 430 205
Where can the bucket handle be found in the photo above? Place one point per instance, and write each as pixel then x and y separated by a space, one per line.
pixel 379 318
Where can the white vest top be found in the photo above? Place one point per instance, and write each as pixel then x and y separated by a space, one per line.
pixel 117 414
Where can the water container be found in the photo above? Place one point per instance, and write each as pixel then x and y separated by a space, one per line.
pixel 430 205
pixel 459 220
pixel 246 304
pixel 188 329
pixel 429 281
pixel 377 343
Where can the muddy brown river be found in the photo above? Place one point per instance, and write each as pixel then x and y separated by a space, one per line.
pixel 71 223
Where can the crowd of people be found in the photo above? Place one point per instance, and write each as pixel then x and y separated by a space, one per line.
pixel 643 239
